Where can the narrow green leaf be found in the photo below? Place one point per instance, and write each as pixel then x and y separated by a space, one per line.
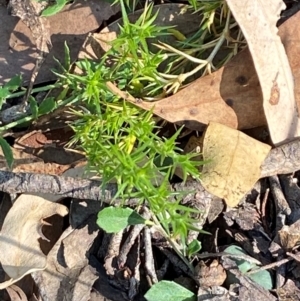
pixel 115 219
pixel 169 291
pixel 47 106
pixel 33 107
pixel 194 247
pixel 67 62
pixel 7 151
pixel 4 93
pixel 14 83
pixel 54 9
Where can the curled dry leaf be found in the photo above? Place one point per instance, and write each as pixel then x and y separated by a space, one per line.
pixel 258 19
pixel 234 161
pixel 16 294
pixel 20 252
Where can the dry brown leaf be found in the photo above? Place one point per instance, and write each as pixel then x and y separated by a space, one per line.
pixel 209 275
pixel 24 162
pixel 17 51
pixel 258 19
pixel 20 252
pixel 231 95
pixel 234 162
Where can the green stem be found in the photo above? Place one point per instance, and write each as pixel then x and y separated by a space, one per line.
pixel 11 125
pixel 35 90
pixel 174 245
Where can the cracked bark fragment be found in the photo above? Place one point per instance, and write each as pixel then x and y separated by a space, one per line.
pixel 131 238
pixel 281 160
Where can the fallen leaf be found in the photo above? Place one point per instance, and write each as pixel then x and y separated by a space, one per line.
pixel 68 275
pixel 257 20
pixel 209 275
pixel 20 252
pixel 17 50
pixel 16 294
pixel 49 145
pixel 234 161
pixel 233 90
pixel 24 162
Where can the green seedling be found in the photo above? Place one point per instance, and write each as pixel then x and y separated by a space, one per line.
pixel 122 142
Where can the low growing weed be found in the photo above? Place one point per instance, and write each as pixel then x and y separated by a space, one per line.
pixel 122 142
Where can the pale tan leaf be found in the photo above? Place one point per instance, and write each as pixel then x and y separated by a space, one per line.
pixel 16 294
pixel 257 19
pixel 20 252
pixel 234 162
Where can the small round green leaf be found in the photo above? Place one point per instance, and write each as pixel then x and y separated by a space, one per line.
pixel 263 278
pixel 194 247
pixel 47 106
pixel 169 291
pixel 243 265
pixel 115 219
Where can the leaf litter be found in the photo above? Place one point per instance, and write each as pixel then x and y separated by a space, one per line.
pixel 259 224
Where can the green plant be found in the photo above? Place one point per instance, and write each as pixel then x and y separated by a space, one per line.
pixel 261 277
pixel 123 142
pixel 54 8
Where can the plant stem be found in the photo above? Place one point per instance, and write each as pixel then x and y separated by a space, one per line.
pixel 35 90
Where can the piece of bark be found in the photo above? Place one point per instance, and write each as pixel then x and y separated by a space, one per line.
pixel 149 259
pixel 291 190
pixel 68 266
pixel 283 159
